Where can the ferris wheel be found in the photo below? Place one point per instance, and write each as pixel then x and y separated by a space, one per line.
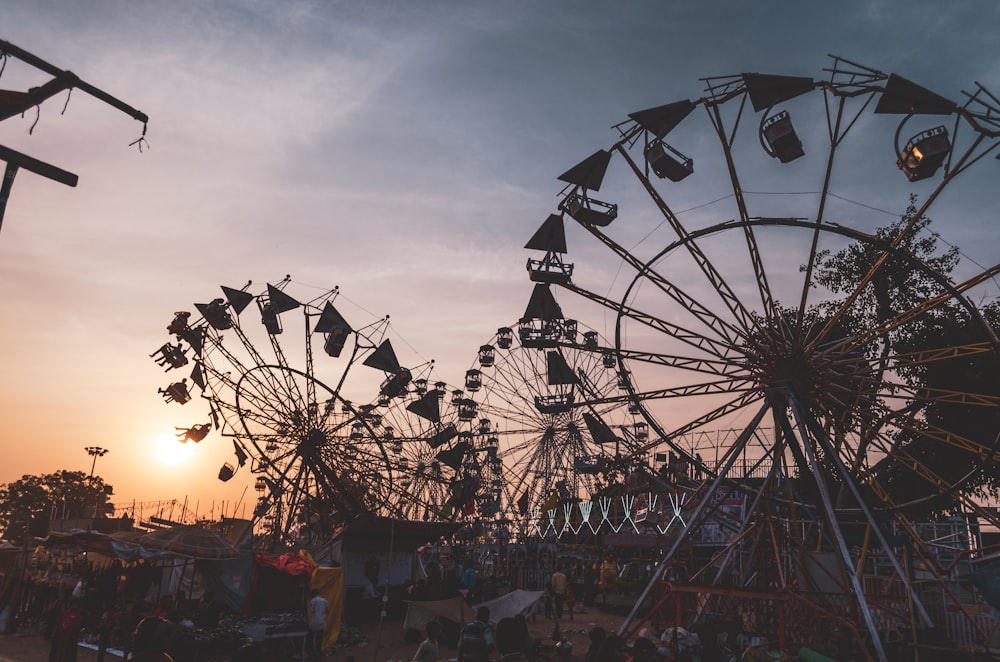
pixel 442 464
pixel 283 377
pixel 551 410
pixel 760 293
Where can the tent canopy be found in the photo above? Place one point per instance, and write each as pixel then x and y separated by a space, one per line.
pixel 457 610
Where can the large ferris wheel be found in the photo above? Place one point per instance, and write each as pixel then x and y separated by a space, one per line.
pixel 758 295
pixel 330 423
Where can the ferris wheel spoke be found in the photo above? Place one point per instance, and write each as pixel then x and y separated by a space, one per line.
pixel 747 322
pixel 837 131
pixel 934 355
pixel 725 331
pixel 707 419
pixel 912 315
pixel 693 364
pixel 234 363
pixel 699 341
pixel 899 457
pixel 285 380
pixel 887 250
pixel 904 480
pixel 254 356
pixel 284 452
pixel 941 396
pixel 921 430
pixel 707 388
pixel 753 250
pixel 260 389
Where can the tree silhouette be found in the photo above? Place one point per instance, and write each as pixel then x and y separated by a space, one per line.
pixel 29 503
pixel 896 288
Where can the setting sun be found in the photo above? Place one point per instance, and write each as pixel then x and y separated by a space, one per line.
pixel 168 450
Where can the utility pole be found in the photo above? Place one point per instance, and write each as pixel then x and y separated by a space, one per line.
pixel 13 103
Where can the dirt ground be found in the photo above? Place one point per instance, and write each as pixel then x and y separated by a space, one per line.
pixel 366 643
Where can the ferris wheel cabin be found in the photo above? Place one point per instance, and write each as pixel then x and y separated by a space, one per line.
pixel 667 162
pixel 590 211
pixel 779 137
pixel 924 153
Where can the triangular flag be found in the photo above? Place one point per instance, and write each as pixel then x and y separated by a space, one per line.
pixel 427 407
pixel 902 97
pixel 241 455
pixel 542 305
pixel 599 430
pixel 589 173
pixel 550 237
pixel 453 457
pixel 662 119
pixel 765 90
pixel 238 299
pixel 446 434
pixel 280 302
pixel 559 371
pixel 197 376
pixel 330 319
pixel 383 358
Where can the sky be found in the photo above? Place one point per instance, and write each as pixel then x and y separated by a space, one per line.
pixel 402 151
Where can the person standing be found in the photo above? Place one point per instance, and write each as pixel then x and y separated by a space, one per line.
pixel 319 609
pixel 428 650
pixel 609 575
pixel 151 640
pixel 105 625
pixel 475 642
pixel 67 631
pixel 470 582
pixel 558 585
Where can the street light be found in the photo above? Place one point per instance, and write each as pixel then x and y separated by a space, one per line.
pixel 95 452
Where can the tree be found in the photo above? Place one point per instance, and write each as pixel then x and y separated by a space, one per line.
pixel 896 288
pixel 27 504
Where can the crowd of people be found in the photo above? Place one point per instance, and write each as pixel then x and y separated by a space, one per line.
pixel 139 630
pixel 511 641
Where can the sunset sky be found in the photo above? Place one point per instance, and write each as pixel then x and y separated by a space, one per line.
pixel 403 151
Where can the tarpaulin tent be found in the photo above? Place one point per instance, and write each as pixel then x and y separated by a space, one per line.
pixel 283 582
pixel 330 584
pixel 419 613
pixel 229 580
pixel 190 540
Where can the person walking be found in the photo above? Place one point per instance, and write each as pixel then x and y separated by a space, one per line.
pixel 428 650
pixel 319 609
pixel 570 600
pixel 558 584
pixel 475 642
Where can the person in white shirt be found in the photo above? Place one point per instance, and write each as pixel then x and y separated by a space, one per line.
pixel 319 610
